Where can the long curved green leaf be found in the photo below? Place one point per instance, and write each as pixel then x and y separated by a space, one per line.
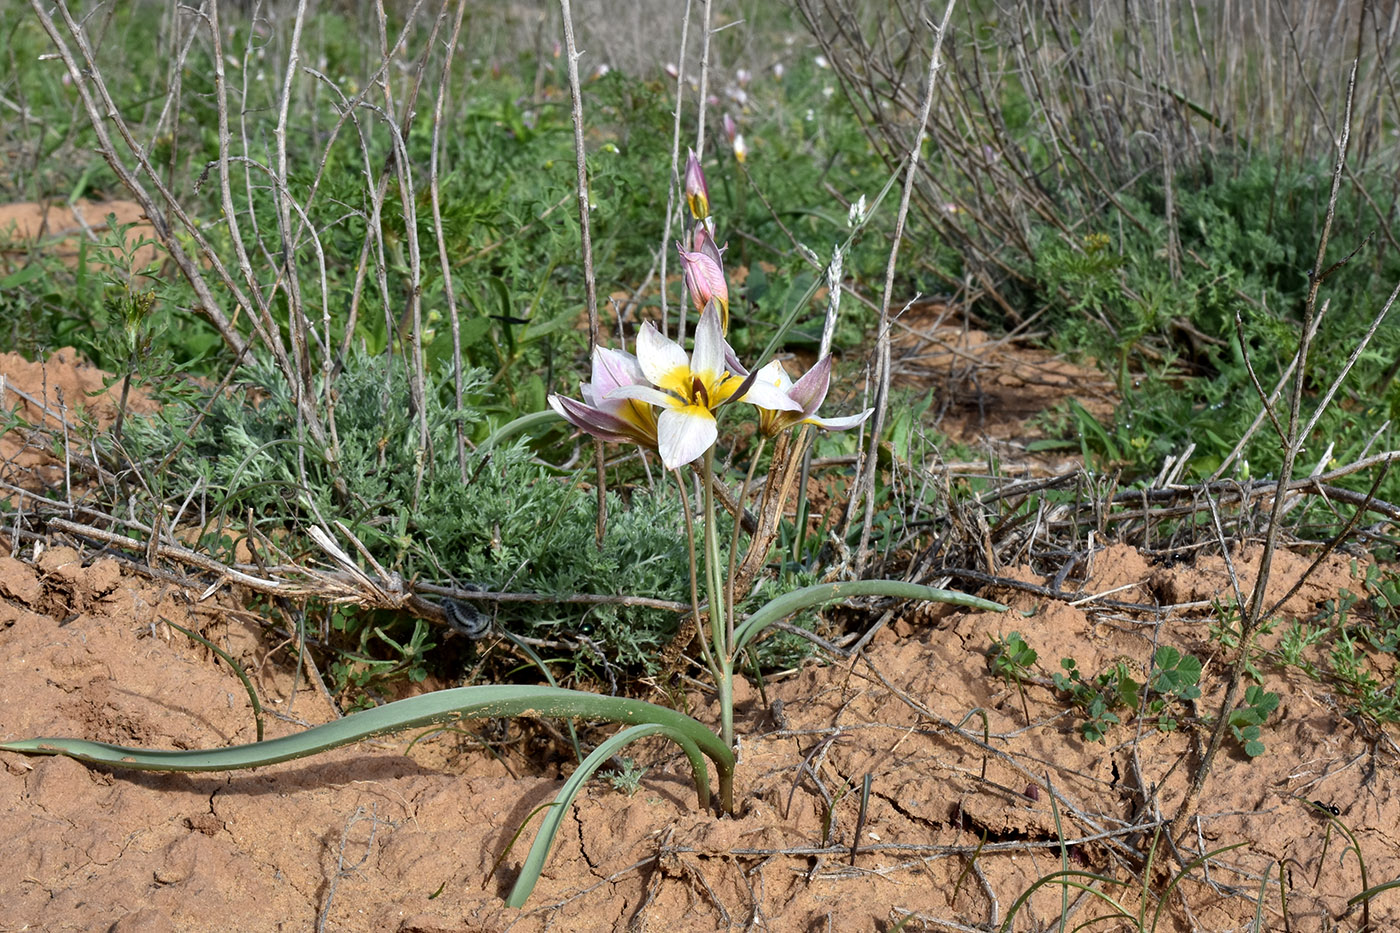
pixel 808 596
pixel 428 709
pixel 539 850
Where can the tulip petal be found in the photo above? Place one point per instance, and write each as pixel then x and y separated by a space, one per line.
pixel 645 393
pixel 613 368
pixel 707 358
pixel 766 395
pixel 684 434
pixel 843 423
pixel 774 374
pixel 662 360
pixel 810 391
pixel 600 424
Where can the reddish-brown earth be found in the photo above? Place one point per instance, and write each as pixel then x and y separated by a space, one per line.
pixel 372 838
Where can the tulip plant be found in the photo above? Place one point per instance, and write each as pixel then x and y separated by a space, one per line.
pixel 663 400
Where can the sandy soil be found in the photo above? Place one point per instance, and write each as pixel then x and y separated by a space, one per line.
pixel 374 837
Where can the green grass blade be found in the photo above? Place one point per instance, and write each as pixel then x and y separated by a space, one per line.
pixel 237 669
pixel 1067 878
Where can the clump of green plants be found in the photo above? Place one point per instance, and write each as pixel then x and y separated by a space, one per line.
pixel 512 525
pixel 1346 639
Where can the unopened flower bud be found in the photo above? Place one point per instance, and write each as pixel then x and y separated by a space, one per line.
pixel 697 192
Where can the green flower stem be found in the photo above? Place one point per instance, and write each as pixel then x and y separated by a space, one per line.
pixel 730 598
pixel 809 596
pixel 425 710
pixel 694 574
pixel 721 627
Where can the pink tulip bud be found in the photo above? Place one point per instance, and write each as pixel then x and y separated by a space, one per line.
pixel 704 276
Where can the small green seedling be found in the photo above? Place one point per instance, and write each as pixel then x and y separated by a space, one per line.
pixel 1175 677
pixel 1099 697
pixel 1011 660
pixel 628 778
pixel 1246 720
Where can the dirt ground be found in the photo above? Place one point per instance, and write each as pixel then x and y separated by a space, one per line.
pixel 378 837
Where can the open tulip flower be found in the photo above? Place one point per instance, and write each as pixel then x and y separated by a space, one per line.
pixel 621 420
pixel 689 389
pixel 806 396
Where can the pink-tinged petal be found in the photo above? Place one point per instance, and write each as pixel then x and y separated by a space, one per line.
pixel 810 390
pixel 644 393
pixel 703 240
pixel 600 424
pixel 613 368
pixel 684 434
pixel 844 423
pixel 661 359
pixel 731 361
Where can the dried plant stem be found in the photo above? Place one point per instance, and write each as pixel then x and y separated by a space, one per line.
pixel 590 285
pixel 97 103
pixel 444 262
pixel 864 488
pixel 1252 614
pixel 675 183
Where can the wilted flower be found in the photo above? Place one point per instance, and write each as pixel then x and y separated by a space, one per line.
pixel 806 396
pixel 621 420
pixel 704 275
pixel 697 192
pixel 688 389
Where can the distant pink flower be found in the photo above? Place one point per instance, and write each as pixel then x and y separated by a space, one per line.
pixel 736 139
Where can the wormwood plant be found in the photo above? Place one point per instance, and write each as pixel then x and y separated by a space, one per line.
pixel 665 400
pixel 511 523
